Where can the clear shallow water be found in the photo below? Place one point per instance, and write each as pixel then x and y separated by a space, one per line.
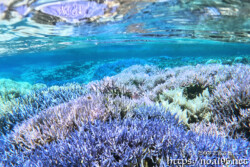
pixel 198 52
pixel 165 54
pixel 128 20
pixel 34 32
pixel 32 27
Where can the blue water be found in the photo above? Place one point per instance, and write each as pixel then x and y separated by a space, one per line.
pixel 188 52
pixel 164 64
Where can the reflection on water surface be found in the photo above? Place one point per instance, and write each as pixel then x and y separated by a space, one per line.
pixel 121 20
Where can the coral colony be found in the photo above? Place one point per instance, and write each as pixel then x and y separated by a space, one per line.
pixel 142 116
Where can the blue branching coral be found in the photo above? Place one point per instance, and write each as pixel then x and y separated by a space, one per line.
pixel 150 140
pixel 25 107
pixel 122 120
pixel 57 122
pixel 231 102
pixel 227 90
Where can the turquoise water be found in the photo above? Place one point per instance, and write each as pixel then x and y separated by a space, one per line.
pixel 157 75
pixel 167 54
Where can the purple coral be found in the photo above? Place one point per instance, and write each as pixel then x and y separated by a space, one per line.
pixel 233 94
pixel 112 124
pixel 27 106
pixel 231 101
pixel 138 141
pixel 228 88
pixel 57 122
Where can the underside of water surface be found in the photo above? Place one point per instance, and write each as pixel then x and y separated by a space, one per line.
pixel 124 83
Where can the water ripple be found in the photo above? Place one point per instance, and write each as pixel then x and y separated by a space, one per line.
pixel 102 21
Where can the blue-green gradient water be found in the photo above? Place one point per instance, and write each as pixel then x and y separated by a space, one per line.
pixel 36 38
pixel 42 66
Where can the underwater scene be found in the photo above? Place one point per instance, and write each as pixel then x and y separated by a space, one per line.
pixel 133 83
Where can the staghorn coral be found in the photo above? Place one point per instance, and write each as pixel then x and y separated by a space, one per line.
pixel 57 122
pixel 79 131
pixel 148 83
pixel 145 140
pixel 231 101
pixel 189 110
pixel 208 128
pixel 154 81
pixel 233 94
pixel 227 86
pixel 139 78
pixel 110 86
pixel 196 78
pixel 235 126
pixel 195 93
pixel 17 110
pixel 27 106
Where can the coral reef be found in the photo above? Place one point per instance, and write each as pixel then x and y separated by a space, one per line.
pixel 57 122
pixel 195 79
pixel 233 94
pixel 225 88
pixel 143 116
pixel 77 71
pixel 154 80
pixel 231 101
pixel 22 108
pixel 141 141
pixel 209 129
pixel 113 68
pixel 236 126
pixel 10 89
pixel 109 85
pixel 80 72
